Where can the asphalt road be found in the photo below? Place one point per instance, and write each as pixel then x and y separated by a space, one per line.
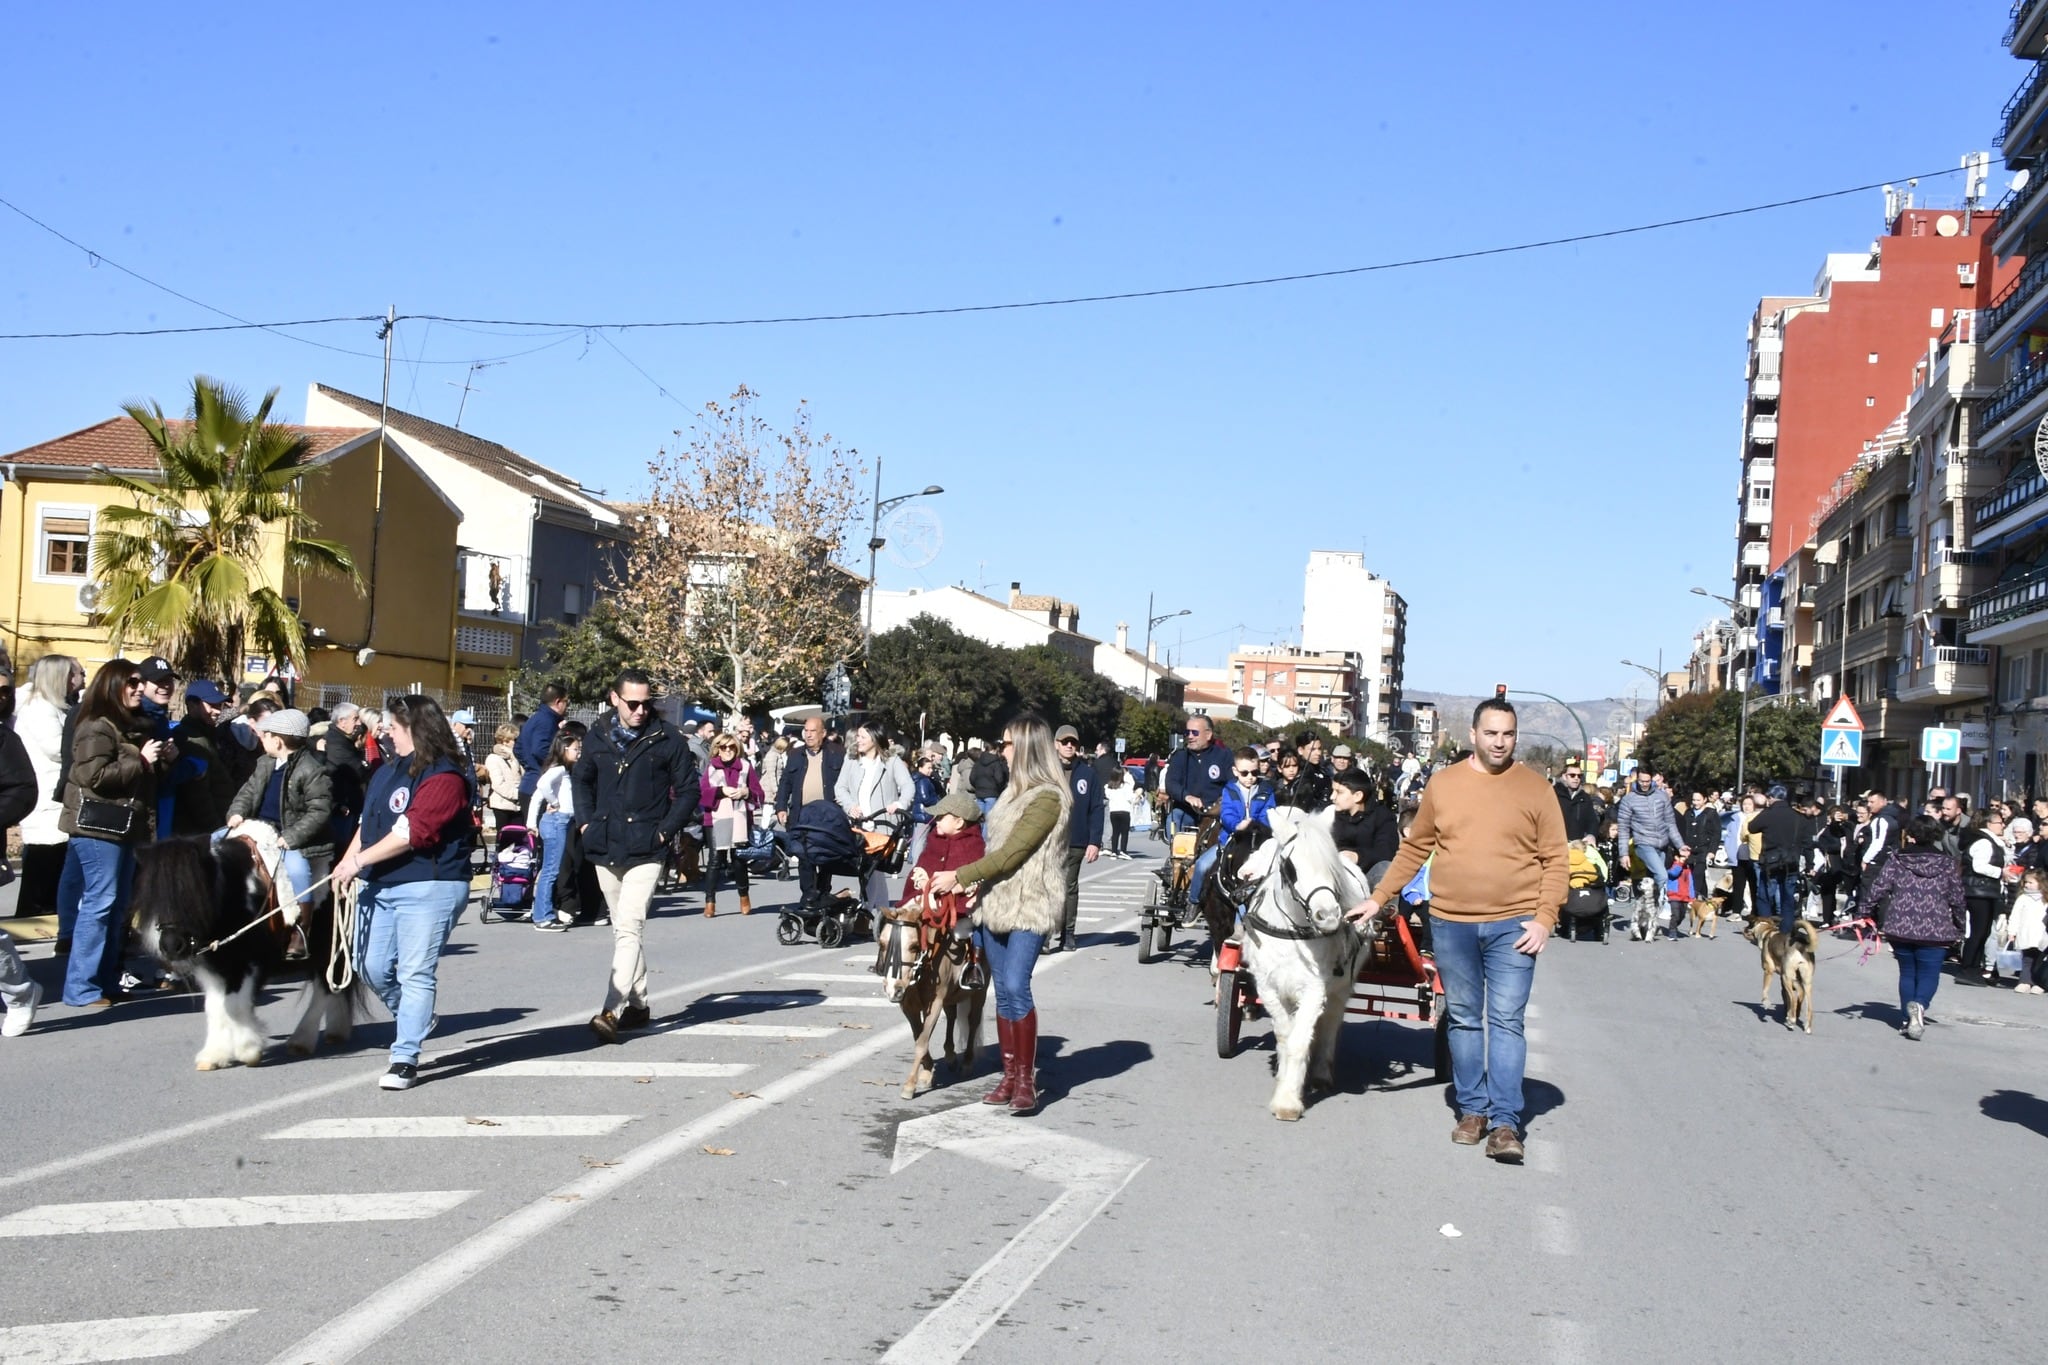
pixel 1702 1184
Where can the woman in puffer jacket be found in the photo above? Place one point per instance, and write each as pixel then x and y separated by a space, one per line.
pixel 1917 900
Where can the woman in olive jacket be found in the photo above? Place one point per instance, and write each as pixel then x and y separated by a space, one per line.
pixel 109 808
pixel 1020 891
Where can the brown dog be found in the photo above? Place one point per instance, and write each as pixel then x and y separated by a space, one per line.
pixel 1705 912
pixel 1790 958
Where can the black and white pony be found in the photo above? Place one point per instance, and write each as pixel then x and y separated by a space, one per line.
pixel 1300 950
pixel 191 893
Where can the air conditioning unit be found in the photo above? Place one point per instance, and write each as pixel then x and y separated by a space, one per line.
pixel 1966 274
pixel 1824 686
pixel 88 599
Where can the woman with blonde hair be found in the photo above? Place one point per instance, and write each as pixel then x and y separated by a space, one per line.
pixel 729 794
pixel 505 774
pixel 1019 889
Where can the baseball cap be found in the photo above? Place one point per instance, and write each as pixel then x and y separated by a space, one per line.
pixel 206 690
pixel 464 717
pixel 157 669
pixel 290 722
pixel 1066 732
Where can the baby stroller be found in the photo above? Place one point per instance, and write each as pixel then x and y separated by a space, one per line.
pixel 764 855
pixel 826 839
pixel 515 862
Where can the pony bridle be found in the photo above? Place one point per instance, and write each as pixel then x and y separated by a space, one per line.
pixel 1299 912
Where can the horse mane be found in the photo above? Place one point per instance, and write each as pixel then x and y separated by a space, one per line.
pixel 177 883
pixel 1314 850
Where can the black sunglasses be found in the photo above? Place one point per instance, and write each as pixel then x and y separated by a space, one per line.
pixel 640 705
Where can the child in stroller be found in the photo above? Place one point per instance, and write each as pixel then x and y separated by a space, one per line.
pixel 828 846
pixel 514 862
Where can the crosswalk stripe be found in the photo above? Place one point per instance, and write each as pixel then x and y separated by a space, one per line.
pixel 456 1126
pixel 723 1030
pixel 246 1211
pixel 799 998
pixel 144 1338
pixel 868 977
pixel 572 1068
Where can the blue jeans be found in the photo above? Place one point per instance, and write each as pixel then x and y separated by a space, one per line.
pixel 1484 977
pixel 987 804
pixel 1010 958
pixel 402 928
pixel 554 842
pixel 1919 971
pixel 296 869
pixel 1653 858
pixel 92 897
pixel 1200 873
pixel 1778 894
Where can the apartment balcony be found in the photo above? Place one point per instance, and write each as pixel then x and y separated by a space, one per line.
pixel 1766 388
pixel 1965 478
pixel 1802 657
pixel 1881 639
pixel 1891 557
pixel 1763 428
pixel 2027 34
pixel 1757 512
pixel 1763 469
pixel 2011 610
pixel 2017 304
pixel 1756 554
pixel 1774 619
pixel 2017 212
pixel 1955 673
pixel 2023 496
pixel 2021 117
pixel 1751 597
pixel 2028 382
pixel 1808 593
pixel 1960 575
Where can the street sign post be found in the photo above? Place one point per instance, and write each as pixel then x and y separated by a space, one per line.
pixel 1841 749
pixel 1939 744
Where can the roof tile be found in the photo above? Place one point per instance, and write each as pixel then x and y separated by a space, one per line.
pixel 121 443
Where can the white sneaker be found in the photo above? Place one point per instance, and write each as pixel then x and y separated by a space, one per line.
pixel 20 1017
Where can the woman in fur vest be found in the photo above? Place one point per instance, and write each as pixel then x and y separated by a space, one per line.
pixel 1018 889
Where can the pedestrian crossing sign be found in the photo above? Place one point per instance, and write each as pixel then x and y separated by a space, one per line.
pixel 1841 748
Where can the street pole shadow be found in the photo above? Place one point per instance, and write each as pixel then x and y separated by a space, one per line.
pixel 2016 1106
pixel 1060 1072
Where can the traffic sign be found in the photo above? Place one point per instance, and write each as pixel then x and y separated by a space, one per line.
pixel 1596 754
pixel 1841 748
pixel 1939 744
pixel 1843 716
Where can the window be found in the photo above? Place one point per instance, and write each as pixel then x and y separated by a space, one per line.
pixel 64 542
pixel 1873 357
pixel 1934 319
pixel 572 602
pixel 2015 689
pixel 1870 402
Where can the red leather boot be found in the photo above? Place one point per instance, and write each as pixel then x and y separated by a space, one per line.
pixel 1024 1039
pixel 1006 1040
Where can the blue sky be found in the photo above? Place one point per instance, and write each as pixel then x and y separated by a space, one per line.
pixel 1539 450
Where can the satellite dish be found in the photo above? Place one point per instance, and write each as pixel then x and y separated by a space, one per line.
pixel 1948 225
pixel 913 537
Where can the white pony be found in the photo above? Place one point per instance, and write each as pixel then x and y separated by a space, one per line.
pixel 1300 950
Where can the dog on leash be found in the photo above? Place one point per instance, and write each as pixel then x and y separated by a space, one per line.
pixel 1705 914
pixel 1790 958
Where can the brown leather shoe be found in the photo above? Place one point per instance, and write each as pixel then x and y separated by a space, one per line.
pixel 1470 1129
pixel 635 1017
pixel 746 906
pixel 1503 1146
pixel 605 1026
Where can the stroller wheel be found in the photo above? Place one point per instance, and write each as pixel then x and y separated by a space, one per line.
pixel 831 931
pixel 789 930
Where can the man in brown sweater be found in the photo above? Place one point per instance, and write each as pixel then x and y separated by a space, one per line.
pixel 1501 871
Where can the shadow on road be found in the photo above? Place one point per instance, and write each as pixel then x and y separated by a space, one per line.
pixel 1061 1072
pixel 2017 1106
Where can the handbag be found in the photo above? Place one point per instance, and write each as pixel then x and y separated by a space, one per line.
pixel 104 819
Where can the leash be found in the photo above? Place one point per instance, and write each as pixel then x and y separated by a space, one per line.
pixel 1870 945
pixel 341 965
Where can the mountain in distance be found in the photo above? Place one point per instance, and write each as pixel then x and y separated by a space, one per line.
pixel 1542 722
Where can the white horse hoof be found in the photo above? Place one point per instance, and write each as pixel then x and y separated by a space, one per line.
pixel 210 1064
pixel 1286 1115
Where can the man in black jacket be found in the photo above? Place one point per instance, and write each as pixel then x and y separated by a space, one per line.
pixel 635 786
pixel 1778 856
pixel 1580 819
pixel 1364 830
pixel 17 799
pixel 1084 828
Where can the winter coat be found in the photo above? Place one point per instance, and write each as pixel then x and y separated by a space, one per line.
pixel 945 853
pixel 41 726
pixel 17 779
pixel 990 775
pixel 875 787
pixel 1236 808
pixel 1580 819
pixel 721 774
pixel 107 762
pixel 773 762
pixel 634 791
pixel 1373 834
pixel 1704 832
pixel 206 786
pixel 1089 808
pixel 1023 882
pixel 1309 791
pixel 506 780
pixel 536 738
pixel 1985 858
pixel 1918 897
pixel 1201 775
pixel 2027 922
pixel 307 802
pixel 789 792
pixel 1648 819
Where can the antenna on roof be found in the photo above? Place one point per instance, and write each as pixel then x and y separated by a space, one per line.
pixel 467 386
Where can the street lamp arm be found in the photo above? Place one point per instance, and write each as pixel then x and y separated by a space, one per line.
pixel 1585 740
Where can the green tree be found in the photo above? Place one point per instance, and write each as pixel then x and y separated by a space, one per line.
pixel 585 658
pixel 928 668
pixel 1149 727
pixel 1051 683
pixel 183 568
pixel 1693 740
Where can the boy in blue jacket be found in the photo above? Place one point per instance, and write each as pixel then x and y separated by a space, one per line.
pixel 1245 802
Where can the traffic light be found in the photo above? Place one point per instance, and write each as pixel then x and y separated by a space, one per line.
pixel 1500 690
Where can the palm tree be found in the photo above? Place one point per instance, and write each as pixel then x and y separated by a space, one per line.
pixel 184 569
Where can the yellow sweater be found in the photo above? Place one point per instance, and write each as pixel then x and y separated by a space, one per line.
pixel 1499 845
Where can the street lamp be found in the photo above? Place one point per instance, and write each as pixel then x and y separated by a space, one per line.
pixel 1742 720
pixel 876 542
pixel 1150 622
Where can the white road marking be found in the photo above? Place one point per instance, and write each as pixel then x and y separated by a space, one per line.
pixel 868 977
pixel 1535 1062
pixel 724 1030
pixel 803 999
pixel 862 960
pixel 180 1132
pixel 1091 1176
pixel 1554 1233
pixel 1531 1035
pixel 455 1126
pixel 144 1338
pixel 248 1211
pixel 347 1336
pixel 1564 1341
pixel 1090 919
pixel 1532 1012
pixel 546 1066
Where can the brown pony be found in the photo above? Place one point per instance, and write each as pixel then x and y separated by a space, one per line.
pixel 926 966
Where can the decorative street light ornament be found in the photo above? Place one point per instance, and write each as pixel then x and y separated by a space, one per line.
pixel 913 536
pixel 2041 447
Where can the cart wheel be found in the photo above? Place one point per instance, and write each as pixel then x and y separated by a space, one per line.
pixel 1229 1014
pixel 831 931
pixel 789 931
pixel 1443 1046
pixel 1163 944
pixel 1144 939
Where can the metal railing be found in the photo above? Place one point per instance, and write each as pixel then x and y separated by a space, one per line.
pixel 2015 494
pixel 2014 393
pixel 1948 554
pixel 2022 10
pixel 2022 99
pixel 2025 287
pixel 2009 208
pixel 1962 655
pixel 2023 596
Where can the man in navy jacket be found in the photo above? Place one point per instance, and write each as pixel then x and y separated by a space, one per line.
pixel 1084 827
pixel 537 736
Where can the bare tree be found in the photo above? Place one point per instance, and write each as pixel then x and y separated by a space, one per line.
pixel 729 587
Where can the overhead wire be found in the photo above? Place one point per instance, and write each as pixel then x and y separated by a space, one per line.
pixel 952 310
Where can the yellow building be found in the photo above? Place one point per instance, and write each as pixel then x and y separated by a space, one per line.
pixel 396 633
